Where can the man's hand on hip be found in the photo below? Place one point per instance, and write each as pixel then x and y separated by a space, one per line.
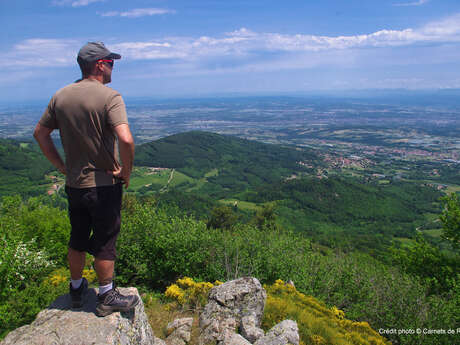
pixel 121 174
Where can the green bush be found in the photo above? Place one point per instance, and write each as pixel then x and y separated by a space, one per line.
pixel 20 264
pixel 156 247
pixel 32 221
pixel 450 219
pixel 23 306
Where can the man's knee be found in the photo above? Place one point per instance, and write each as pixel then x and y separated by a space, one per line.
pixel 75 253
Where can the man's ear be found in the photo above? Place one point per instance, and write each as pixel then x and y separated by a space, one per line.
pixel 99 67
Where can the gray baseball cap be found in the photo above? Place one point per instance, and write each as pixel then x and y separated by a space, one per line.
pixel 93 51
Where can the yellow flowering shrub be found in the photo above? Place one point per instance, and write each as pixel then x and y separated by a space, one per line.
pixel 318 324
pixel 317 340
pixel 338 313
pixel 90 275
pixel 187 292
pixel 58 277
pixel 62 276
pixel 174 292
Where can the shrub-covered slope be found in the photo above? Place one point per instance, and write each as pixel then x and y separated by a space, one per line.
pixel 159 245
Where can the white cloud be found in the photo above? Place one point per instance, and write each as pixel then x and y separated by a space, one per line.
pixel 75 3
pixel 137 12
pixel 242 47
pixel 448 28
pixel 244 42
pixel 41 53
pixel 413 3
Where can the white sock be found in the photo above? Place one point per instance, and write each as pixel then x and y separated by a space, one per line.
pixel 76 283
pixel 104 288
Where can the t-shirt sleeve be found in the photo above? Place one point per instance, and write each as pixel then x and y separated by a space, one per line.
pixel 48 118
pixel 116 111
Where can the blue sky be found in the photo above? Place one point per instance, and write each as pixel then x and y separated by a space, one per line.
pixel 197 48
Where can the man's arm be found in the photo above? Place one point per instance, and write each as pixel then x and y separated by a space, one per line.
pixel 43 136
pixel 126 147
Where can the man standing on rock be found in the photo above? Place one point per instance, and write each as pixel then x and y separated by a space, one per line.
pixel 91 117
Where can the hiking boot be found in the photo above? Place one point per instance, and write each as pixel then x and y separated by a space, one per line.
pixel 77 294
pixel 113 301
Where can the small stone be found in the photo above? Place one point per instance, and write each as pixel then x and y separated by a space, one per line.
pixel 179 331
pixel 249 329
pixel 234 339
pixel 290 282
pixel 286 332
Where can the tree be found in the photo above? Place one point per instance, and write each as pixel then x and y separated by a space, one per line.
pixel 450 218
pixel 265 217
pixel 222 217
pixel 422 259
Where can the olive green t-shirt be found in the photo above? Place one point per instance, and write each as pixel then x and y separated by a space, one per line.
pixel 85 113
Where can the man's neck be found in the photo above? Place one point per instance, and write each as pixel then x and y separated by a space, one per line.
pixel 99 78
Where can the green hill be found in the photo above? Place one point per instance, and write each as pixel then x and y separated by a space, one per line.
pixel 23 168
pixel 227 163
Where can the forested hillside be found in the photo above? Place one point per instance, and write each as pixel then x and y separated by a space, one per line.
pixel 22 168
pixel 229 163
pixel 342 212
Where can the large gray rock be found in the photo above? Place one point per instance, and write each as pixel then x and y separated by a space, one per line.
pixel 59 325
pixel 286 332
pixel 227 305
pixel 180 331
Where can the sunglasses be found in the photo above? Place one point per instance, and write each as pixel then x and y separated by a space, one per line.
pixel 109 62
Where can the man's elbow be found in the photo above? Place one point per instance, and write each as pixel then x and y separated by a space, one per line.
pixel 37 133
pixel 126 140
pixel 124 135
pixel 42 134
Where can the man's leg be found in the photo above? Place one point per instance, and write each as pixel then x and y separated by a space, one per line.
pixel 78 285
pixel 107 221
pixel 109 299
pixel 104 270
pixel 76 263
pixel 80 221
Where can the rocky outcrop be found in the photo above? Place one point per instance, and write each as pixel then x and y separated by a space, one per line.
pixel 228 304
pixel 59 325
pixel 232 316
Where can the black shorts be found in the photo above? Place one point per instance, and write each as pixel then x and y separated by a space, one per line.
pixel 95 219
